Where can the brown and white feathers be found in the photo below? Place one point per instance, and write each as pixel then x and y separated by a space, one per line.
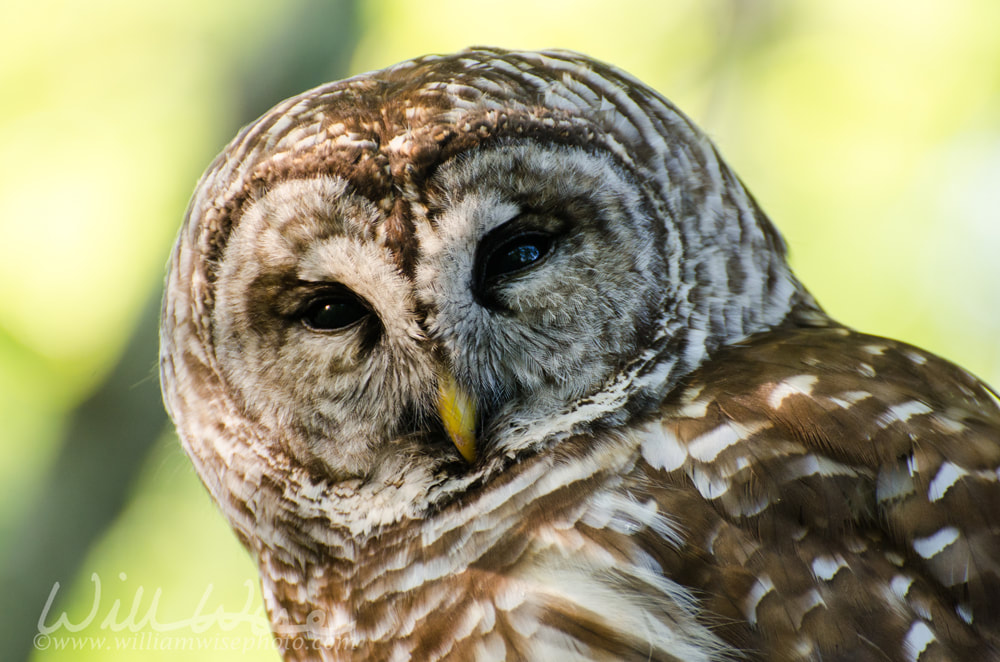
pixel 490 356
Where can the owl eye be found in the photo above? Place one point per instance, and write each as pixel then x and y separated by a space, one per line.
pixel 334 312
pixel 515 254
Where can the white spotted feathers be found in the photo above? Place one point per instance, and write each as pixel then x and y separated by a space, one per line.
pixel 866 504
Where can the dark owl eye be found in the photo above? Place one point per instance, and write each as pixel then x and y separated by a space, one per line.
pixel 334 312
pixel 514 254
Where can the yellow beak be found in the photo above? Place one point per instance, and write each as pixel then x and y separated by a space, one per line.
pixel 458 413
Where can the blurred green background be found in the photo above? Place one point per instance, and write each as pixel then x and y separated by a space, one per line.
pixel 870 132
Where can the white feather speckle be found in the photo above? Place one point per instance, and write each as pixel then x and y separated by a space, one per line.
pixel 947 475
pixel 894 482
pixel 798 385
pixel 826 567
pixel 806 604
pixel 902 412
pixel 850 398
pixel 763 586
pixel 661 449
pixel 900 586
pixel 895 558
pixel 933 544
pixel 708 446
pixel 708 484
pixel 948 424
pixel 696 409
pixel 811 465
pixel 917 640
pixel 804 647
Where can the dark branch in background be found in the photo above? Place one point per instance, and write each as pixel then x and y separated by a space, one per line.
pixel 110 434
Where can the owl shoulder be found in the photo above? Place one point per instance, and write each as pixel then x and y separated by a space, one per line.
pixel 837 491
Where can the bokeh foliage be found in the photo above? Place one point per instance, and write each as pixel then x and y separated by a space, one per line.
pixel 869 131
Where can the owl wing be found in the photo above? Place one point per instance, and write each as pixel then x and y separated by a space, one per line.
pixel 838 497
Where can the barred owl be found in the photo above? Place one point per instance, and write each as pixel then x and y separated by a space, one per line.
pixel 490 356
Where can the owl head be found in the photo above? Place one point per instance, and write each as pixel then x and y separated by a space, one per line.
pixel 423 274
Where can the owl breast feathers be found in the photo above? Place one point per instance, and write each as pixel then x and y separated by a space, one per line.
pixel 490 356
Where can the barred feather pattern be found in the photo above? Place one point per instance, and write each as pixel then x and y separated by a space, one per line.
pixel 680 458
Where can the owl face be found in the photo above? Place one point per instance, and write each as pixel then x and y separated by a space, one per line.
pixel 519 299
pixel 432 270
